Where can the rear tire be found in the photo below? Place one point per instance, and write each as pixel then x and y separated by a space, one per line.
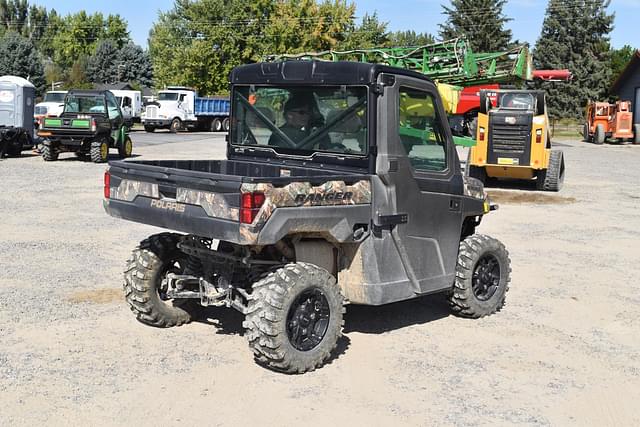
pixel 482 277
pixel 216 125
pixel 599 136
pixel 552 178
pixel 294 320
pixel 149 129
pixel 636 134
pixel 100 151
pixel 225 124
pixel 49 153
pixel 143 281
pixel 176 125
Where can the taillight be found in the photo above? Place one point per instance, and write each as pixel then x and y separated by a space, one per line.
pixel 481 137
pixel 93 125
pixel 250 204
pixel 538 136
pixel 107 184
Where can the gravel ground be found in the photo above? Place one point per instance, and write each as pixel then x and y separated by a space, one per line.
pixel 564 351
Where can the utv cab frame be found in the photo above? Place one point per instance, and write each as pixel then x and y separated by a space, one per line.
pixel 342 184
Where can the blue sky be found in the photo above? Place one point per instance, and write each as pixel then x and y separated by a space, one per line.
pixel 417 15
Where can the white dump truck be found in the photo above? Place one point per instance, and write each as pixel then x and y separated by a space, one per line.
pixel 177 108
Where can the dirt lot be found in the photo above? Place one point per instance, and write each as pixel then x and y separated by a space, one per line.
pixel 564 351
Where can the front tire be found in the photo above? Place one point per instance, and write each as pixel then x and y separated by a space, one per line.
pixel 100 151
pixel 552 178
pixel 144 281
pixel 294 319
pixel 125 149
pixel 599 136
pixel 482 277
pixel 176 125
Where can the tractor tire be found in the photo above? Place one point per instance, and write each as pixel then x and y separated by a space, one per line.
pixel 482 277
pixel 552 178
pixel 585 133
pixel 99 151
pixel 149 129
pixel 176 125
pixel 125 149
pixel 49 153
pixel 144 286
pixel 216 125
pixel 636 134
pixel 294 319
pixel 599 136
pixel 226 124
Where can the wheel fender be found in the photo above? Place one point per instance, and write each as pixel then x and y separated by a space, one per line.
pixel 318 252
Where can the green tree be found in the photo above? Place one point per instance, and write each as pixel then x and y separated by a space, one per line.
pixel 369 33
pixel 103 66
pixel 197 43
pixel 77 76
pixel 410 38
pixel 480 21
pixel 18 57
pixel 575 36
pixel 80 34
pixel 135 65
pixel 619 60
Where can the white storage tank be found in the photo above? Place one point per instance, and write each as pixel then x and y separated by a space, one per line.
pixel 17 96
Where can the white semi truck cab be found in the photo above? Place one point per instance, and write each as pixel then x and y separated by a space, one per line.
pixel 178 108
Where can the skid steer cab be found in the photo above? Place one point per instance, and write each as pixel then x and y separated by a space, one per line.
pixel 513 140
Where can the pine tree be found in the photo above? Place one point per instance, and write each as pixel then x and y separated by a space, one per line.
pixel 480 21
pixel 575 36
pixel 18 57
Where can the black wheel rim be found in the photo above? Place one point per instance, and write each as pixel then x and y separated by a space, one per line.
pixel 308 319
pixel 175 266
pixel 486 277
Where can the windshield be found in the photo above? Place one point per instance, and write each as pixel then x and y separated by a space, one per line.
pixel 84 104
pixel 519 101
pixel 54 97
pixel 301 121
pixel 167 96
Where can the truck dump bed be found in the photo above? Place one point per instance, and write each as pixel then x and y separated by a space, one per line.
pixel 238 201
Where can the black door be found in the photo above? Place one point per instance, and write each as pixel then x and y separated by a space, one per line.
pixel 425 177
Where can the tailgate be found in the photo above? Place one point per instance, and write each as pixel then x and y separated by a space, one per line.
pixel 196 197
pixel 192 202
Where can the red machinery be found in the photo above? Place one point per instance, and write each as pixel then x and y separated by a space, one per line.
pixel 606 120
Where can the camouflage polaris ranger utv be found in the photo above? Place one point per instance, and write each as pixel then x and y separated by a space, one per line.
pixel 90 124
pixel 342 184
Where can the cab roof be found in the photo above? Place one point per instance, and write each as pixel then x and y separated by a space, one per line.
pixel 87 92
pixel 306 72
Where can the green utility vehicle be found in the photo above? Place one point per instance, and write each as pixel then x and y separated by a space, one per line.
pixel 89 125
